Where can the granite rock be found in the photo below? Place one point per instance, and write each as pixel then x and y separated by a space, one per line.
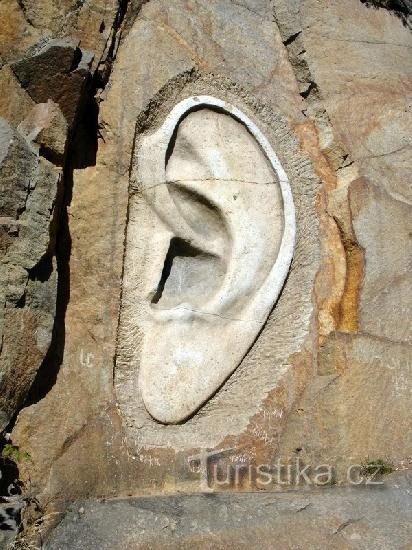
pixel 30 191
pixel 55 70
pixel 328 378
pixel 360 518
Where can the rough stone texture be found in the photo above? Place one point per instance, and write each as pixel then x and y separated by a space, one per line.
pixel 329 518
pixel 28 22
pixel 163 74
pixel 333 79
pixel 356 407
pixel 13 111
pixel 30 187
pixel 57 71
pixel 385 301
pixel 48 128
pixel 45 81
pixel 360 101
pixel 400 8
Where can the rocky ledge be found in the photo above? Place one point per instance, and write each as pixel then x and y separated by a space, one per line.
pixel 378 516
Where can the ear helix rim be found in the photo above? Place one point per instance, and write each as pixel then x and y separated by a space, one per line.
pixel 150 158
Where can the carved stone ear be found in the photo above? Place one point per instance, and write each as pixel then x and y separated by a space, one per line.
pixel 218 245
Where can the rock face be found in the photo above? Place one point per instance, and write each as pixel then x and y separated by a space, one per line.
pixel 334 518
pixel 87 253
pixel 30 188
pixel 368 196
pixel 42 94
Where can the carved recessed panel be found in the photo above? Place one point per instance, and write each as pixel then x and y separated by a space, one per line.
pixel 217 230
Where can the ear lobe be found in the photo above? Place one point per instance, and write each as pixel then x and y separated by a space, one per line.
pixel 226 202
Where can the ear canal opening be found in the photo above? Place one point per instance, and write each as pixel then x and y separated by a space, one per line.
pixel 177 248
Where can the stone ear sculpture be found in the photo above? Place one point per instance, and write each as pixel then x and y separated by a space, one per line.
pixel 218 239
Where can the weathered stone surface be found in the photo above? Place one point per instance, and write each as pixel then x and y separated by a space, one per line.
pixel 145 87
pixel 357 406
pixel 43 14
pixel 359 99
pixel 370 114
pixel 338 91
pixel 46 126
pixel 400 8
pixel 16 33
pixel 358 518
pixel 220 37
pixel 386 297
pixel 25 23
pixel 30 188
pixel 56 70
pixel 16 109
pixel 16 165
